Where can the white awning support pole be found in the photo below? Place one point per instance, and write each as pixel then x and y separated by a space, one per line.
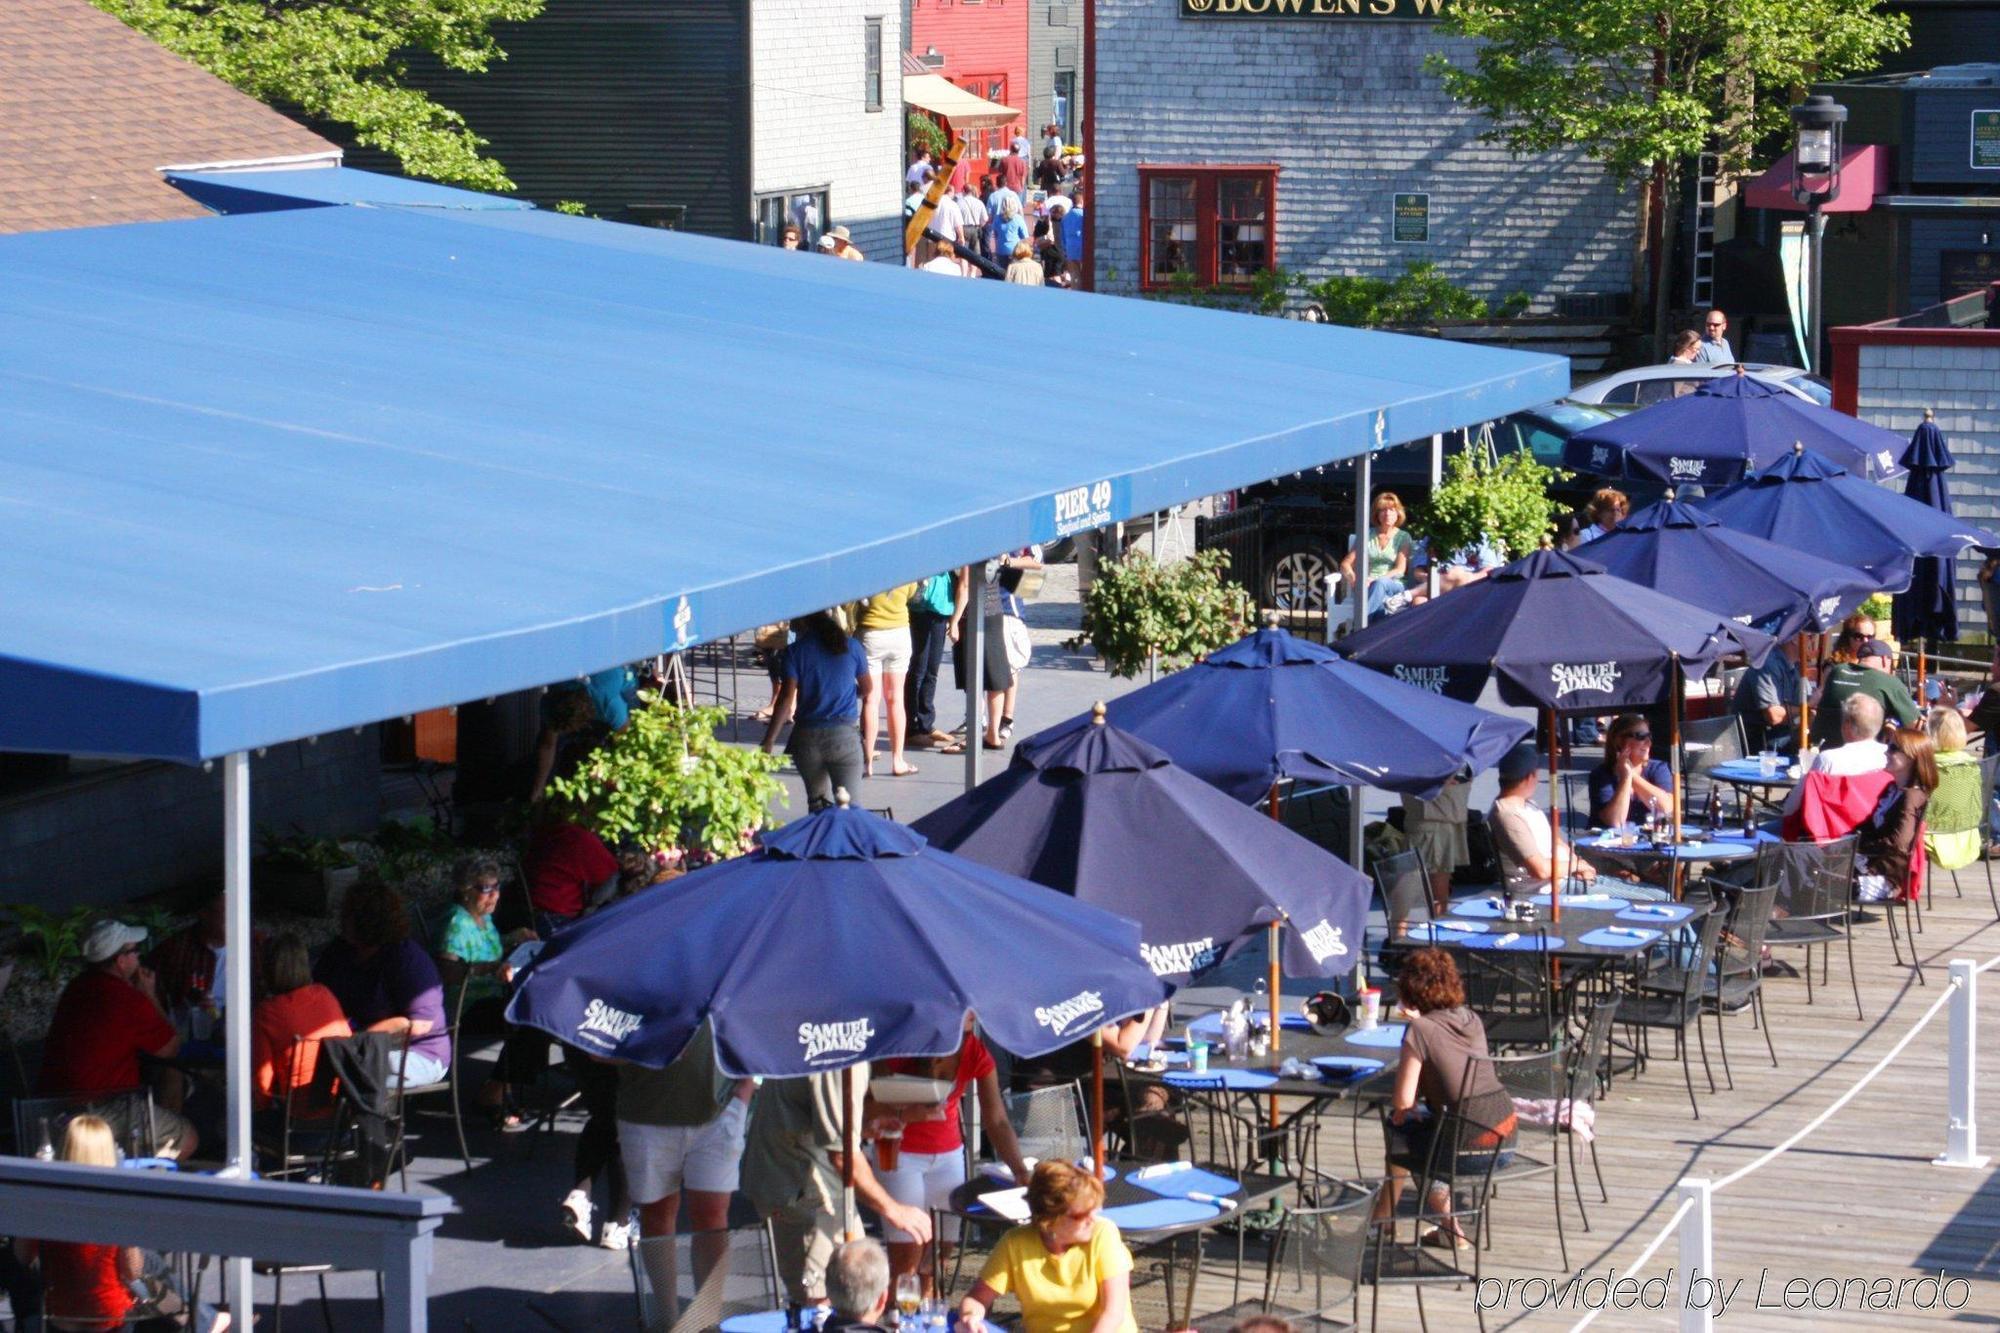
pixel 236 989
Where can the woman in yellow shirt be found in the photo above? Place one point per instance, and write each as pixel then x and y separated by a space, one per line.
pixel 882 623
pixel 1067 1267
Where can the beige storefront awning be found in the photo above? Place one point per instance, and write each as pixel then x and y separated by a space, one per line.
pixel 965 111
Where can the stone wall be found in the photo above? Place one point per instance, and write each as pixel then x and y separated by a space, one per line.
pixel 1352 117
pixel 810 125
pixel 1890 376
pixel 127 830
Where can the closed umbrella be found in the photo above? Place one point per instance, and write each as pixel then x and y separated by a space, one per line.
pixel 1271 707
pixel 1728 426
pixel 1111 820
pixel 1557 632
pixel 1927 609
pixel 844 938
pixel 1804 502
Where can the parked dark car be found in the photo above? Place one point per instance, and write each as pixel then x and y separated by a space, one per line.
pixel 1288 534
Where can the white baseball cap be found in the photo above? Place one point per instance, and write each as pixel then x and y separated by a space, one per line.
pixel 108 939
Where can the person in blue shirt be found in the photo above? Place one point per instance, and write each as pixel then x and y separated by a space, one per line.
pixel 826 672
pixel 1630 781
pixel 1715 350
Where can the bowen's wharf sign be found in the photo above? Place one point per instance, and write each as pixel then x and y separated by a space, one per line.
pixel 1312 9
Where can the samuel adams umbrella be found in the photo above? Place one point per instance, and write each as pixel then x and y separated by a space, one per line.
pixel 1554 631
pixel 1101 814
pixel 844 938
pixel 1728 426
pixel 1557 632
pixel 1927 609
pixel 1806 503
pixel 1271 706
pixel 1676 549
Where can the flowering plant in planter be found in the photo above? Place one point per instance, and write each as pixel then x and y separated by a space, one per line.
pixel 1183 610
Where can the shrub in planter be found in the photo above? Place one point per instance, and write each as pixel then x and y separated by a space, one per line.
pixel 1183 610
pixel 301 873
pixel 1505 502
pixel 666 782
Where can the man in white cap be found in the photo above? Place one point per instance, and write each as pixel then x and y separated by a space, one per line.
pixel 105 1021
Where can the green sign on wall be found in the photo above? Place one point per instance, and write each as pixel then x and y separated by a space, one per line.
pixel 1329 10
pixel 1412 219
pixel 1986 140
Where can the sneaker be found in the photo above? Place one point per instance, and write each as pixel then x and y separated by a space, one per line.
pixel 576 1212
pixel 616 1236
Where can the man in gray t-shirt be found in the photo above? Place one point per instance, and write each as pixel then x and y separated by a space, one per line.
pixel 792 1173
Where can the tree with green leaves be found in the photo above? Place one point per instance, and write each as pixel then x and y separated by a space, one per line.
pixel 343 61
pixel 1645 85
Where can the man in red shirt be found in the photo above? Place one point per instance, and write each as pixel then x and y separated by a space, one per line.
pixel 568 869
pixel 107 1018
pixel 1014 169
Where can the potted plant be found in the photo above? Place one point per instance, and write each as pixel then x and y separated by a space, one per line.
pixel 1182 610
pixel 667 783
pixel 1505 502
pixel 301 873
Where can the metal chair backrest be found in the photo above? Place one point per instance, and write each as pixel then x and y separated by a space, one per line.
pixel 1695 974
pixel 1590 1056
pixel 743 1281
pixel 130 1113
pixel 1327 1243
pixel 1989 773
pixel 1708 741
pixel 1534 1075
pixel 1049 1122
pixel 1406 888
pixel 1808 877
pixel 1749 922
pixel 1512 992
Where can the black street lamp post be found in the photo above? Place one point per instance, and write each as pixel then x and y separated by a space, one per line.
pixel 1819 122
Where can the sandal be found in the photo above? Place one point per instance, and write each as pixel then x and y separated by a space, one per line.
pixel 995 745
pixel 1006 728
pixel 953 746
pixel 1438 1238
pixel 906 771
pixel 505 1118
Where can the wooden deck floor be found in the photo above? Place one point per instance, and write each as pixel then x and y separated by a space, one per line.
pixel 1858 1199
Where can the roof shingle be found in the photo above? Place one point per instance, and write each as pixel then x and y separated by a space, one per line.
pixel 90 110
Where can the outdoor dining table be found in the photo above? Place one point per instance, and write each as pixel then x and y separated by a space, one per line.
pixel 1152 1204
pixel 1697 846
pixel 1595 928
pixel 1748 777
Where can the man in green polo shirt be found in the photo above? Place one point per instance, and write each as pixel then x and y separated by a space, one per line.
pixel 1870 676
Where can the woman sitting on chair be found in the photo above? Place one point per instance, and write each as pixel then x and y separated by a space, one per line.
pixel 91 1286
pixel 1630 781
pixel 1068 1267
pixel 1443 1040
pixel 1888 838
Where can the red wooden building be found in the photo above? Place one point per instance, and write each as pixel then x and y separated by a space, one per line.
pixel 981 46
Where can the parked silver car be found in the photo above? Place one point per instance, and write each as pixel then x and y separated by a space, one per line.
pixel 1642 386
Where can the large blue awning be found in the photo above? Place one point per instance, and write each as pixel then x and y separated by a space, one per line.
pixel 272 475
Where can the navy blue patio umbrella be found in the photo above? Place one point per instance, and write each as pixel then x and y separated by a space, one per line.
pixel 1271 707
pixel 1804 502
pixel 1557 632
pixel 1111 820
pixel 1927 609
pixel 1726 427
pixel 843 938
pixel 1674 548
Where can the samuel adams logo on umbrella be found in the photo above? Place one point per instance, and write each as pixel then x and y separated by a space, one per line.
pixel 845 1037
pixel 1064 1017
pixel 604 1026
pixel 1583 677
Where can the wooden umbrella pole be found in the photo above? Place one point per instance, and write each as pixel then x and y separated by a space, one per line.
pixel 1675 687
pixel 1920 668
pixel 1097 1101
pixel 1803 693
pixel 1555 824
pixel 1276 976
pixel 850 1136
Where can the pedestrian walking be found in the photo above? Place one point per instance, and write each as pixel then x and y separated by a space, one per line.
pixel 1024 270
pixel 1014 167
pixel 930 613
pixel 825 673
pixel 921 171
pixel 884 623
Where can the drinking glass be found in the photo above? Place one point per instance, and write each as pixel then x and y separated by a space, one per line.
pixel 909 1294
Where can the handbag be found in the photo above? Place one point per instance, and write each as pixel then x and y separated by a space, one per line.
pixel 1020 648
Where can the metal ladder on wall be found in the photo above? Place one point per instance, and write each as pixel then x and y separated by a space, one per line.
pixel 1701 268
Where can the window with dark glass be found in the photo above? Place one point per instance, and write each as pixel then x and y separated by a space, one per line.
pixel 871 80
pixel 1214 224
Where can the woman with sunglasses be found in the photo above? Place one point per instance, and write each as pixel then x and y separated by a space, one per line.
pixel 1630 783
pixel 472 958
pixel 1388 554
pixel 1068 1267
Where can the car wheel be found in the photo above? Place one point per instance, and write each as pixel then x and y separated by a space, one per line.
pixel 1295 578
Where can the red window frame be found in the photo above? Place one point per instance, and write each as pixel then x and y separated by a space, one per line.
pixel 1207 179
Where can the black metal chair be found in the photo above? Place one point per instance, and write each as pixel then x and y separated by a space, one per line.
pixel 744 1279
pixel 445 1087
pixel 1315 1266
pixel 1515 995
pixel 1671 1001
pixel 1587 1079
pixel 314 1138
pixel 1406 890
pixel 1815 903
pixel 1706 742
pixel 1542 1077
pixel 1737 984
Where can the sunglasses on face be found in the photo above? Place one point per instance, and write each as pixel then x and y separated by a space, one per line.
pixel 1638 736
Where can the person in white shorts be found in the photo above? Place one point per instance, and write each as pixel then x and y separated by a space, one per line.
pixel 931 1163
pixel 681 1128
pixel 882 623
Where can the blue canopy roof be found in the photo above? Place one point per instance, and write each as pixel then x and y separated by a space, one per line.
pixel 319 187
pixel 272 475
